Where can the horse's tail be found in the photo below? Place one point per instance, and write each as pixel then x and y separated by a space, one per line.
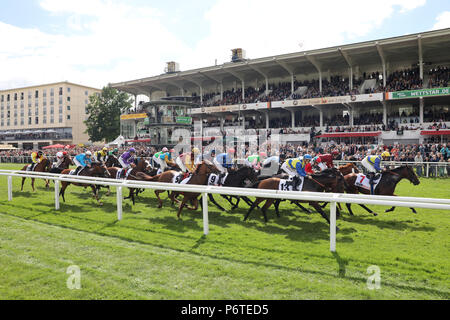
pixel 143 176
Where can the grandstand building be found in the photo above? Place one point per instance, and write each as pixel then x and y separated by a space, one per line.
pixel 389 91
pixel 38 116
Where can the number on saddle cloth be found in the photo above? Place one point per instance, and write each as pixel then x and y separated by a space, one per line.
pixel 364 182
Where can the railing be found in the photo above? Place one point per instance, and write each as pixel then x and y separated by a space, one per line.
pixel 429 168
pixel 333 198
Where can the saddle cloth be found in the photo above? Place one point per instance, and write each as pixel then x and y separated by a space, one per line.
pixel 29 167
pixel 72 172
pixel 213 179
pixel 178 178
pixel 363 182
pixel 286 185
pixel 119 173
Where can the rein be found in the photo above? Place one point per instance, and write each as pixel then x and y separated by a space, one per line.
pixel 319 183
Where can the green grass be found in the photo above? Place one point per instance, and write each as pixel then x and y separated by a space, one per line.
pixel 152 255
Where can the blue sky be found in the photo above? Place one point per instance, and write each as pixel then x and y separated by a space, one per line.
pixel 99 41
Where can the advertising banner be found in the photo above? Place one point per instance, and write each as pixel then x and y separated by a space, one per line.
pixel 418 93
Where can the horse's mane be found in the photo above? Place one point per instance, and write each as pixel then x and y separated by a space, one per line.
pixel 399 168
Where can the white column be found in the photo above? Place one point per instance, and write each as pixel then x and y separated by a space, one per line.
pixel 267 85
pixel 10 194
pixel 222 120
pixel 205 214
pixel 421 104
pixel 320 81
pixel 385 114
pixel 201 95
pixel 333 226
pixel 119 203
pixel 321 118
pixel 56 194
pixel 384 75
pixel 292 83
pixel 243 91
pixel 221 91
pixel 350 80
pixel 292 118
pixel 267 120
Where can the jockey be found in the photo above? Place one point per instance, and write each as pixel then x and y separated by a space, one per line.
pixel 101 155
pixel 373 165
pixel 254 161
pixel 36 157
pixel 126 160
pixel 270 166
pixel 59 159
pixel 156 156
pixel 224 161
pixel 296 166
pixel 82 160
pixel 165 160
pixel 187 161
pixel 208 156
pixel 113 153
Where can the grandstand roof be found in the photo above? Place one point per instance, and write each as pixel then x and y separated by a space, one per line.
pixel 435 46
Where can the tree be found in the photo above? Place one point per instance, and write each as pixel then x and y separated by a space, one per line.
pixel 104 111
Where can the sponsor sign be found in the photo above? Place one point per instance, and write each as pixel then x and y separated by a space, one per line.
pixel 418 93
pixel 133 116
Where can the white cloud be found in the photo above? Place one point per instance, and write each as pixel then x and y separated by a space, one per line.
pixel 116 42
pixel 443 21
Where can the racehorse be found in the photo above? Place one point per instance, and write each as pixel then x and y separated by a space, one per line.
pixel 237 179
pixel 96 170
pixel 385 187
pixel 327 180
pixel 112 161
pixel 64 165
pixel 43 166
pixel 142 166
pixel 348 168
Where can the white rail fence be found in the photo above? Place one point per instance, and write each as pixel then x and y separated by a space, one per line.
pixel 333 198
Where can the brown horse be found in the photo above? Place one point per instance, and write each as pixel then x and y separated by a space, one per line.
pixel 64 165
pixel 96 170
pixel 43 166
pixel 143 166
pixel 385 187
pixel 327 180
pixel 348 168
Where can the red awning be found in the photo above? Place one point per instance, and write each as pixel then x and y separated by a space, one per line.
pixel 434 132
pixel 54 146
pixel 349 134
pixel 140 140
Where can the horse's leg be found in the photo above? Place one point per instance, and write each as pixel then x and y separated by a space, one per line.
pixel 349 207
pixel 211 198
pixel 95 192
pixel 132 195
pixel 183 203
pixel 301 207
pixel 63 190
pixel 255 203
pixel 267 206
pixel 157 192
pixel 319 210
pixel 194 202
pixel 277 205
pixel 32 184
pixel 370 211
pixel 23 180
pixel 247 200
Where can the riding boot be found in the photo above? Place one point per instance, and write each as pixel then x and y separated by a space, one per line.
pixel 371 179
pixel 77 170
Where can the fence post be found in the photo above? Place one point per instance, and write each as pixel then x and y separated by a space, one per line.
pixel 205 214
pixel 333 226
pixel 428 169
pixel 10 195
pixel 119 203
pixel 56 194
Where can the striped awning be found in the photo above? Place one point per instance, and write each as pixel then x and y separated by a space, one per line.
pixel 349 134
pixel 434 132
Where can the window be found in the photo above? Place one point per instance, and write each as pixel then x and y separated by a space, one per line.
pixel 60 118
pixel 29 112
pixel 60 109
pixel 15 121
pixel 86 93
pixel 52 92
pixel 68 99
pixel 60 100
pixel 68 117
pixel 60 91
pixel 21 121
pixel 68 89
pixel 52 110
pixel 68 108
pixel 8 114
pixel 44 120
pixel 36 111
pixel 3 98
pixel 7 122
pixel 15 96
pixel 37 120
pixel 2 115
pixel 36 94
pixel 29 120
pixel 52 120
pixel 22 96
pixel 7 97
pixel 44 93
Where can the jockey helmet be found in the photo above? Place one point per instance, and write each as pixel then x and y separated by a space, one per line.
pixel 88 153
pixel 115 150
pixel 263 154
pixel 335 152
pixel 172 150
pixel 385 154
pixel 307 157
pixel 213 151
pixel 39 153
pixel 59 154
pixel 165 149
pixel 105 149
pixel 231 151
pixel 64 153
pixel 195 151
pixel 132 150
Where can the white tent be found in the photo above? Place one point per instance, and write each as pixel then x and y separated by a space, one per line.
pixel 120 140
